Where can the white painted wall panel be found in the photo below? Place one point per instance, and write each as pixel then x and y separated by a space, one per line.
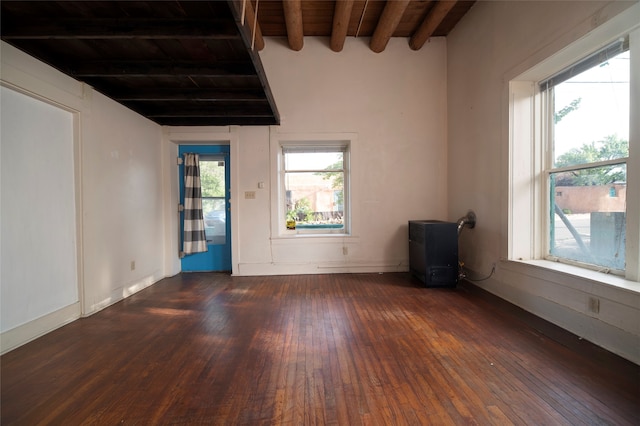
pixel 39 253
pixel 122 193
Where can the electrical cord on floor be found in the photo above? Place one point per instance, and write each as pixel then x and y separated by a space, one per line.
pixel 464 275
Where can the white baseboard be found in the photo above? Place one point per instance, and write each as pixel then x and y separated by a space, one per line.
pixel 282 268
pixel 123 292
pixel 563 301
pixel 25 333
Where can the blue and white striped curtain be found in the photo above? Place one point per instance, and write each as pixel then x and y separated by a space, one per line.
pixel 195 240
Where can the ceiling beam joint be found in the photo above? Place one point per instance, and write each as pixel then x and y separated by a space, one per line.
pixel 341 17
pixel 293 21
pixel 389 20
pixel 430 24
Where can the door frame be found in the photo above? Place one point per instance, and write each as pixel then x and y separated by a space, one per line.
pixel 172 138
pixel 217 258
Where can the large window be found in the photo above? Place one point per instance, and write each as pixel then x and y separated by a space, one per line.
pixel 314 185
pixel 574 152
pixel 587 108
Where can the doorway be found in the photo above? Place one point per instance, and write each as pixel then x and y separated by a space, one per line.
pixel 214 180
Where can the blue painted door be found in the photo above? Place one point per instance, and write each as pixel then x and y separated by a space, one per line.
pixel 214 178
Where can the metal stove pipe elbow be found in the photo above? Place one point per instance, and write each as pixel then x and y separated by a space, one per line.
pixel 469 221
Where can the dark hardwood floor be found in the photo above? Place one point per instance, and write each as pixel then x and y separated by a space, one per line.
pixel 318 349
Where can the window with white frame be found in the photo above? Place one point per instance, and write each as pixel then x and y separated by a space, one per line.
pixel 587 118
pixel 574 195
pixel 314 187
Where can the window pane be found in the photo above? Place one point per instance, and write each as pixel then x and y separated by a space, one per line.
pixel 315 200
pixel 212 178
pixel 313 160
pixel 212 181
pixel 588 216
pixel 215 220
pixel 591 114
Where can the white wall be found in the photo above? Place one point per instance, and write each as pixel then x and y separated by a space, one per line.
pixel 494 43
pixel 39 244
pixel 122 202
pixel 394 102
pixel 116 182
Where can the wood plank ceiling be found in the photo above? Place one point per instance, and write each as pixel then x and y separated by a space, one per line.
pixel 186 63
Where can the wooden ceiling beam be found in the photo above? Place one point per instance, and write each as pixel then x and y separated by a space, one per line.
pixel 205 115
pixel 341 17
pixel 189 94
pixel 189 109
pixel 223 111
pixel 148 69
pixel 431 22
pixel 110 29
pixel 389 20
pixel 293 20
pixel 240 120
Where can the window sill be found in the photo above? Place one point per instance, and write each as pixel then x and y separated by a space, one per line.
pixel 320 226
pixel 571 276
pixel 330 238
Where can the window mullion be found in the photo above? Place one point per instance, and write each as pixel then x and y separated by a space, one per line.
pixel 548 214
pixel 314 171
pixel 584 166
pixel 633 166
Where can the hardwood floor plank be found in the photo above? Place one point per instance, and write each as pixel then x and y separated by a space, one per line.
pixel 344 349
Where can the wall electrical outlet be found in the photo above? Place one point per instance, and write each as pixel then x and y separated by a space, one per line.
pixel 345 251
pixel 250 195
pixel 594 305
pixel 133 265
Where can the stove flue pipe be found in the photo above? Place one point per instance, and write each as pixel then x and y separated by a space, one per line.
pixel 469 221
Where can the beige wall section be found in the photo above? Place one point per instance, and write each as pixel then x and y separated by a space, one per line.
pixel 254 237
pixel 122 202
pixel 495 42
pixel 394 102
